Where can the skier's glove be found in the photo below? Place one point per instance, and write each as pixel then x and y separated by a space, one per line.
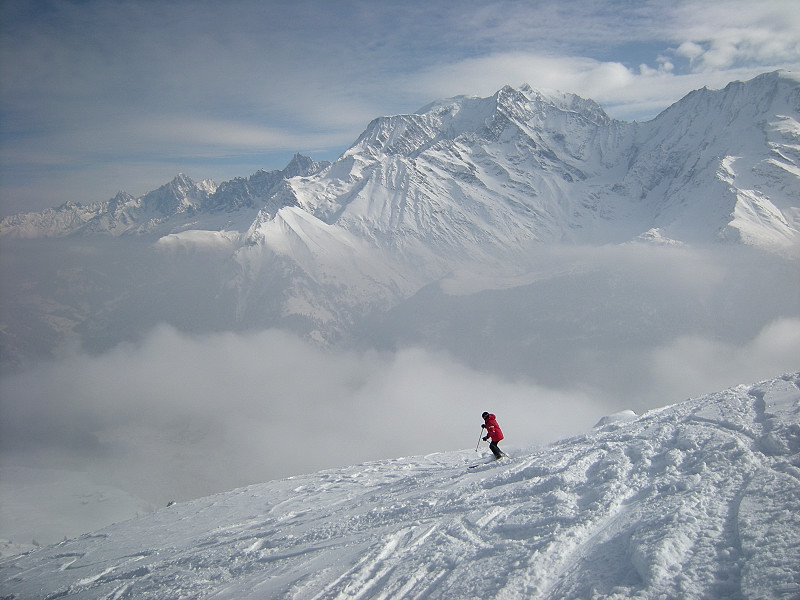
pixel 483 425
pixel 486 438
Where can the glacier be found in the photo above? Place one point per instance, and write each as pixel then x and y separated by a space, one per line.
pixel 699 499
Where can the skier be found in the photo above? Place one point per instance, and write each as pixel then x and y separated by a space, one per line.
pixel 492 433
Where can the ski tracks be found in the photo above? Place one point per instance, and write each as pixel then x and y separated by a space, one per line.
pixel 370 577
pixel 433 535
pixel 697 501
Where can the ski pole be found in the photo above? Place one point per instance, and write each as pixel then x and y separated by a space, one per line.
pixel 480 437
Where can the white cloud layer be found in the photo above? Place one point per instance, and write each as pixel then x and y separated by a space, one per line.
pixel 693 362
pixel 729 35
pixel 179 416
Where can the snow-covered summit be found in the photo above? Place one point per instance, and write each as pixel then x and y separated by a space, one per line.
pixel 723 164
pixel 465 174
pixel 696 500
pixel 465 114
pixel 471 176
pixel 472 118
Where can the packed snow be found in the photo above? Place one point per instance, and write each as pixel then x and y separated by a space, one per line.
pixel 696 500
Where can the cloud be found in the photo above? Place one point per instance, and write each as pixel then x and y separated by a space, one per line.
pixel 692 365
pixel 734 34
pixel 634 61
pixel 486 74
pixel 576 334
pixel 180 416
pixel 183 416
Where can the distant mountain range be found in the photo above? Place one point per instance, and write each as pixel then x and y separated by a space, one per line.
pixel 465 181
pixel 467 174
pixel 174 206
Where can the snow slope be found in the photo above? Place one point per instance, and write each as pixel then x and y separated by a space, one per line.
pixel 36 502
pixel 696 500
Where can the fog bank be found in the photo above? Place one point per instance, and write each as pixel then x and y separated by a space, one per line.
pixel 180 416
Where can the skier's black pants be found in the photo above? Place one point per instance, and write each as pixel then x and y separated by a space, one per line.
pixel 495 450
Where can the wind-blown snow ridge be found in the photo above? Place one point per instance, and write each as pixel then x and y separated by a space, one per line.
pixel 696 500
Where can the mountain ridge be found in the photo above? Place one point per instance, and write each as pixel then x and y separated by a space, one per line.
pixel 465 184
pixel 172 207
pixel 561 164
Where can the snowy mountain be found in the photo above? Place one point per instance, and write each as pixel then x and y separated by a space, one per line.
pixel 468 175
pixel 464 185
pixel 696 500
pixel 172 207
pixel 472 176
pixel 724 164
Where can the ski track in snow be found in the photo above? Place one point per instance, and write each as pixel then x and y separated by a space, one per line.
pixel 696 500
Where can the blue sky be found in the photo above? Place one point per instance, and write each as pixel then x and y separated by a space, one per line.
pixel 99 96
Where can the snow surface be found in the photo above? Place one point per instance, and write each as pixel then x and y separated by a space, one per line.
pixel 36 502
pixel 696 500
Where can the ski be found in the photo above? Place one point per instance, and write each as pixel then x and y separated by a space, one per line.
pixel 488 462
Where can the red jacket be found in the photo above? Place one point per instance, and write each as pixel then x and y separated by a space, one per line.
pixel 493 429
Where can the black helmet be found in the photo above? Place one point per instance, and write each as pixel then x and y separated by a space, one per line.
pixel 485 414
